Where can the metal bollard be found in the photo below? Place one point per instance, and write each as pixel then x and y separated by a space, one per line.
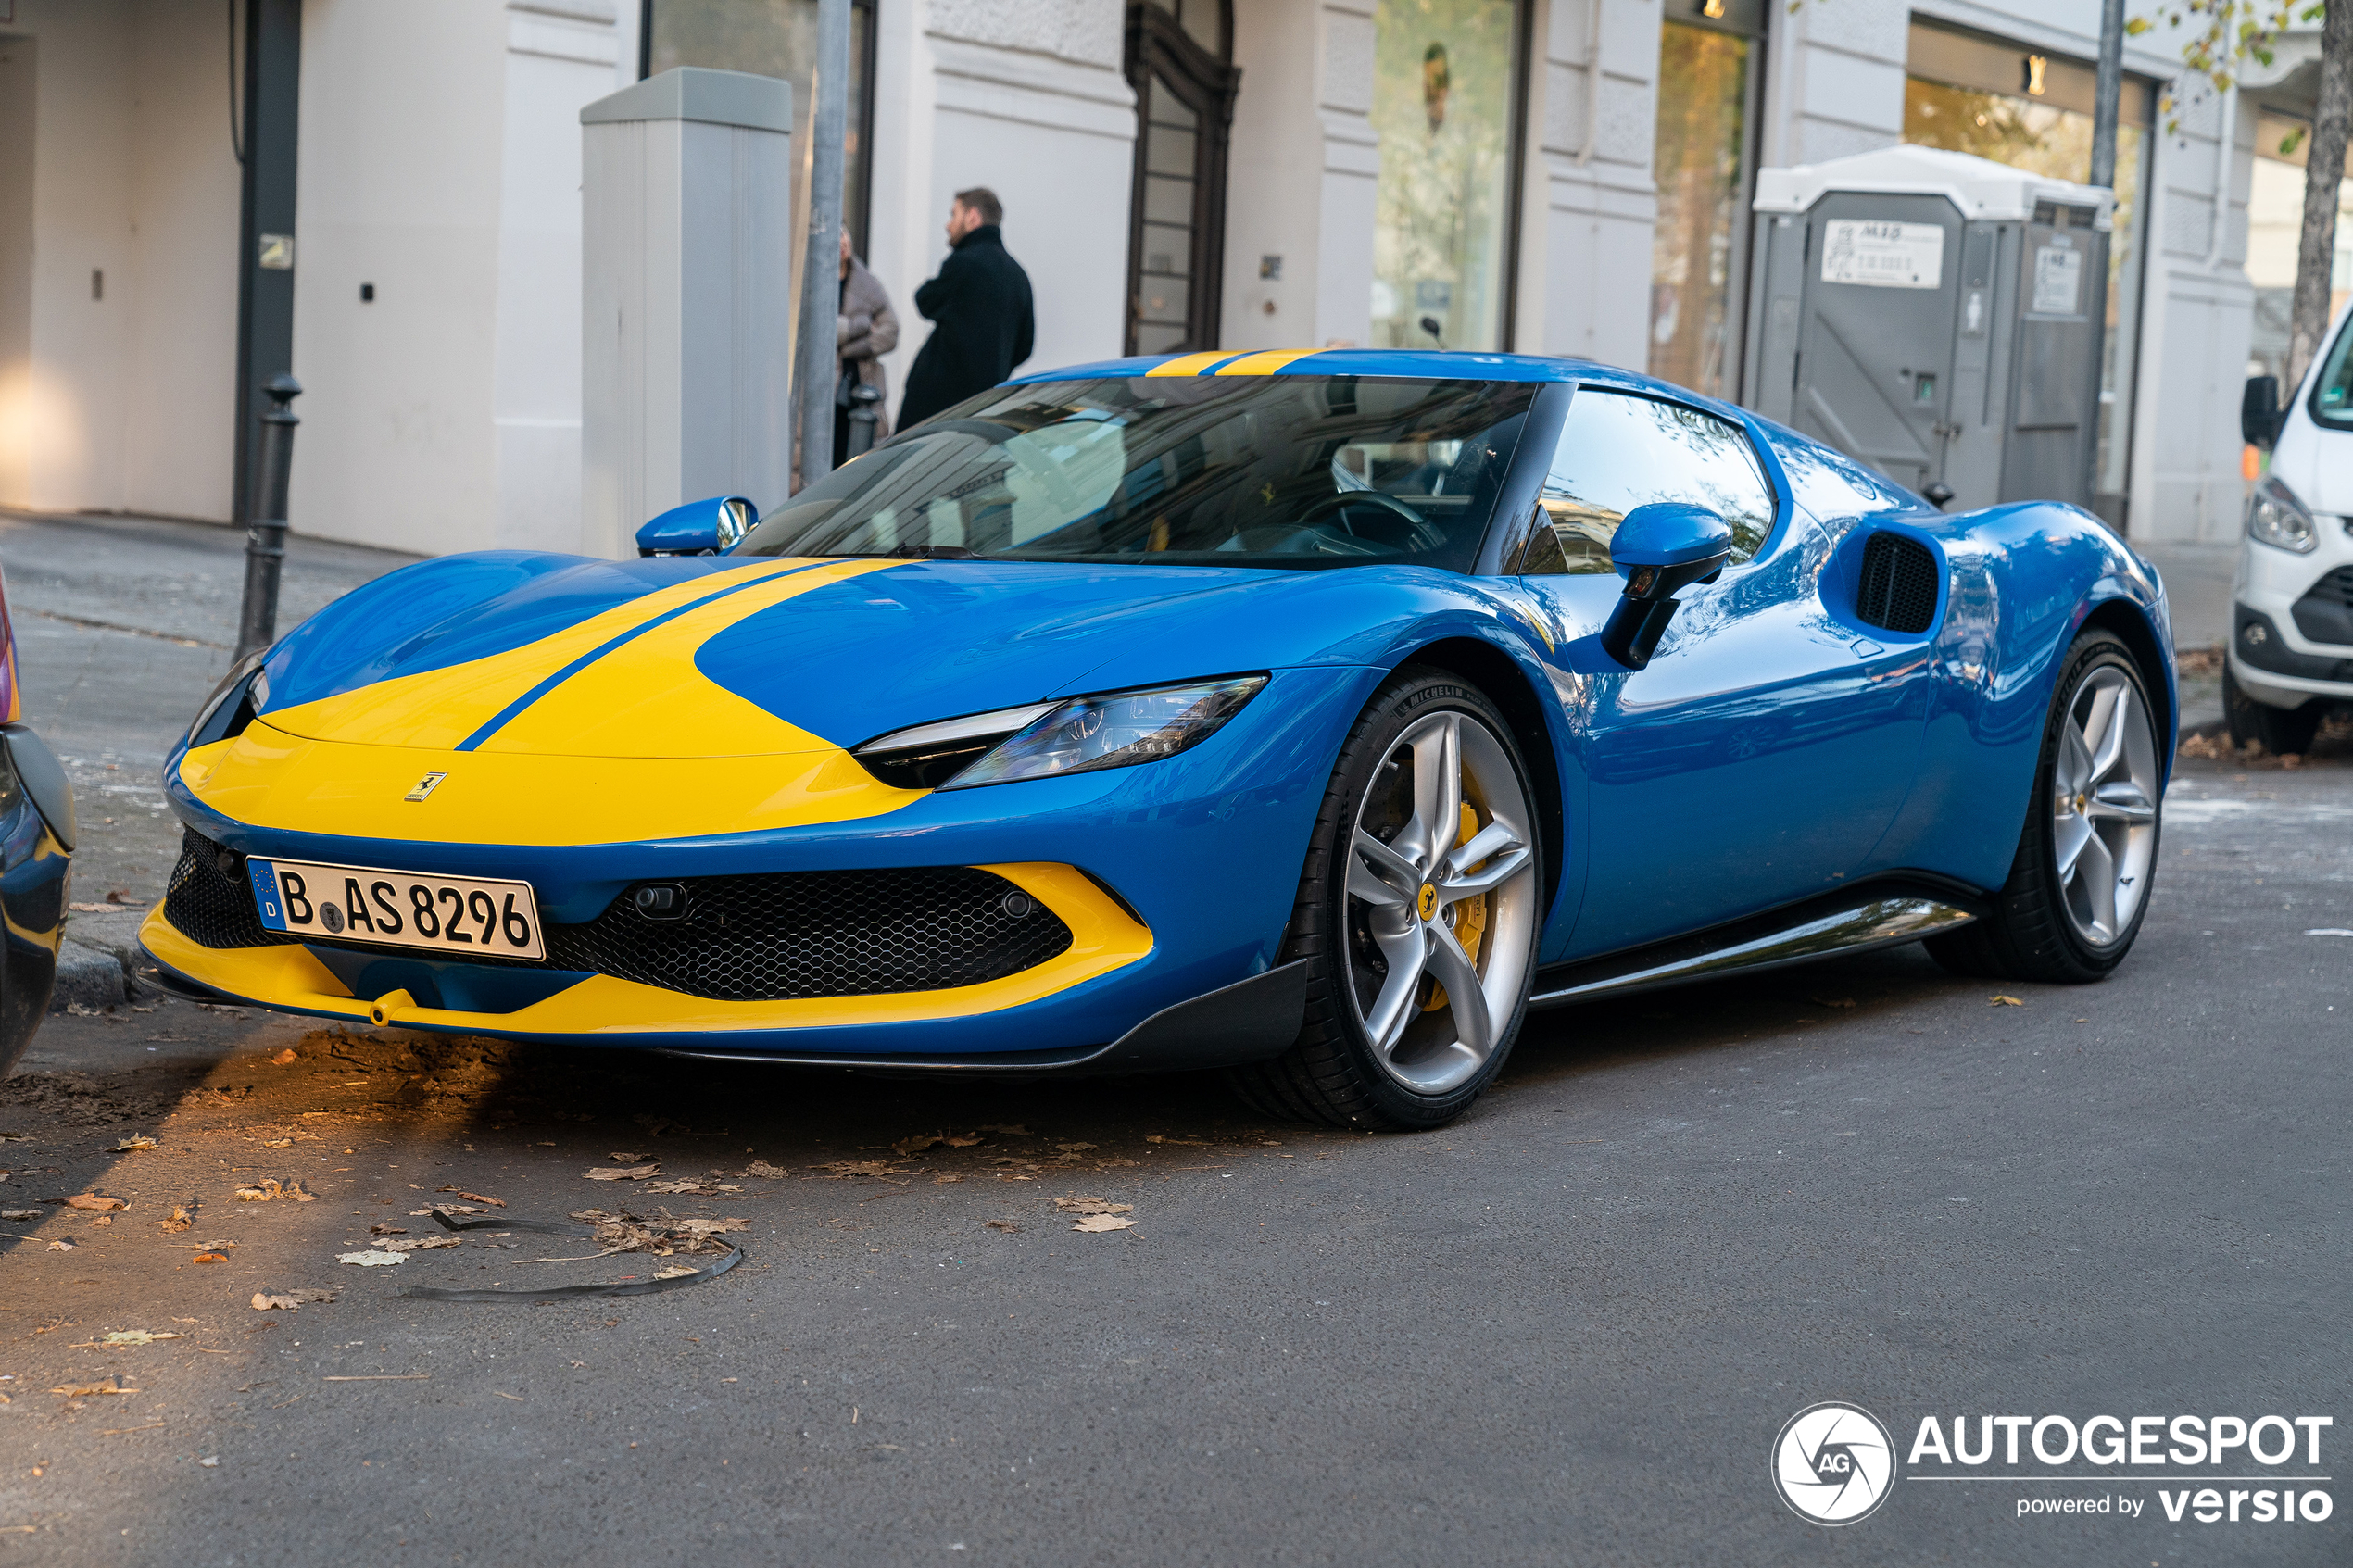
pixel 865 412
pixel 266 530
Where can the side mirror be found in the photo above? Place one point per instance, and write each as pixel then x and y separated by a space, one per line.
pixel 2259 415
pixel 699 527
pixel 1660 549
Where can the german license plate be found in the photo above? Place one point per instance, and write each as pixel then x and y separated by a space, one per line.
pixel 463 917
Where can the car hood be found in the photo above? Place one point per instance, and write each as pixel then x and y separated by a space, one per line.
pixel 711 657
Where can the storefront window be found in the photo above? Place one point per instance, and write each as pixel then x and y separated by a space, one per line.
pixel 1700 166
pixel 2275 229
pixel 1953 99
pixel 1443 93
pixel 775 38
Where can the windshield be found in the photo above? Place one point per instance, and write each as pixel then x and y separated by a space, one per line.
pixel 2333 393
pixel 1177 471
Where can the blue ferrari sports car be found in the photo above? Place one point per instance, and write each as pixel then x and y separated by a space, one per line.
pixel 1310 716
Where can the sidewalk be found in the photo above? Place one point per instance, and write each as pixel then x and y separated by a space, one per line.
pixel 123 626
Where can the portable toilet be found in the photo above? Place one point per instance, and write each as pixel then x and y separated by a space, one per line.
pixel 1936 316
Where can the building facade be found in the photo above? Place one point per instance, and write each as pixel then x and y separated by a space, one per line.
pixel 1549 176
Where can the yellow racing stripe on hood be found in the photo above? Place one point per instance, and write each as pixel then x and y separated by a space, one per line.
pixel 441 709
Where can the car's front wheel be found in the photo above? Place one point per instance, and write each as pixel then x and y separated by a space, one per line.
pixel 2079 884
pixel 1417 916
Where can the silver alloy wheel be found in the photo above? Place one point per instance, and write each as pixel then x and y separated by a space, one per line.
pixel 1441 902
pixel 2103 803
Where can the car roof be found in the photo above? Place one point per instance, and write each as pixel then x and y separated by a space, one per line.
pixel 1420 363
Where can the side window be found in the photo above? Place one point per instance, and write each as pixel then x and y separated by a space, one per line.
pixel 1619 451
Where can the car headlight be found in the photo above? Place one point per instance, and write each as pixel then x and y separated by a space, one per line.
pixel 1084 735
pixel 2277 518
pixel 222 718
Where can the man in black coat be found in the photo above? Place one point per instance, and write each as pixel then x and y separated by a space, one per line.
pixel 981 310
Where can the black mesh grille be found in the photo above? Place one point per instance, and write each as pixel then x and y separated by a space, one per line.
pixel 209 899
pixel 2325 612
pixel 742 938
pixel 1899 583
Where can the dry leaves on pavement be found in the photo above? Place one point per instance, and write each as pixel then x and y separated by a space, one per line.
pixel 288 1300
pixel 621 1172
pixel 477 1198
pixel 181 1218
pixel 661 1236
pixel 91 1200
pixel 701 1187
pixel 1081 1205
pixel 761 1168
pixel 1188 1143
pixel 1005 1225
pixel 20 1213
pixel 382 1229
pixel 840 1170
pixel 210 1258
pixel 416 1244
pixel 84 1390
pixel 285 1057
pixel 268 1190
pixel 921 1142
pixel 1097 1223
pixel 372 1259
pixel 133 1143
pixel 2004 1003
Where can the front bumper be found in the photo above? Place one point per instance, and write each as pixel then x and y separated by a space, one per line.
pixel 2282 600
pixel 1176 879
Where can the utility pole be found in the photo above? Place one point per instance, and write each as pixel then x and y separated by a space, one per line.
pixel 2108 90
pixel 266 530
pixel 816 363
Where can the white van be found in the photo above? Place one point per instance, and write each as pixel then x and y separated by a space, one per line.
pixel 2291 655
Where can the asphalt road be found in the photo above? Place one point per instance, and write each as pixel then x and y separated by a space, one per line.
pixel 1565 1330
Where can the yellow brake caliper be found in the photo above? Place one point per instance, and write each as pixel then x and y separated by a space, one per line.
pixel 1470 915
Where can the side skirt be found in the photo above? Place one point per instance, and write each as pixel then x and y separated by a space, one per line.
pixel 1879 914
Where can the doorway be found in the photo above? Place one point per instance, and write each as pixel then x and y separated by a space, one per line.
pixel 1179 55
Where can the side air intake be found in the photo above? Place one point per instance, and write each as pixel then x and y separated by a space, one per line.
pixel 1899 583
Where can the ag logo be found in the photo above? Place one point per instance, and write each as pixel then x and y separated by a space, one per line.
pixel 1834 1463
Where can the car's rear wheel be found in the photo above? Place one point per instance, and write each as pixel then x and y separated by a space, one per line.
pixel 1417 916
pixel 2283 732
pixel 2078 885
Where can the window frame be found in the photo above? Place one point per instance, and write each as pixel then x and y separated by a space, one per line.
pixel 1515 536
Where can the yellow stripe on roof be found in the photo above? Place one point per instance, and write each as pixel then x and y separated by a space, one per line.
pixel 1265 363
pixel 1190 364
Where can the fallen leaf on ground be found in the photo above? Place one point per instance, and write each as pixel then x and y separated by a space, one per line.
pixel 621 1173
pixel 1082 1205
pixel 91 1200
pixel 947 1176
pixel 416 1244
pixel 387 1230
pixel 84 1390
pixel 181 1220
pixel 708 1227
pixel 370 1259
pixel 2006 1002
pixel 689 1185
pixel 135 1337
pixel 477 1198
pixel 841 1169
pixel 761 1168
pixel 1006 1225
pixel 628 1157
pixel 210 1258
pixel 1074 1148
pixel 279 1143
pixel 1103 1223
pixel 285 1057
pixel 954 1140
pixel 1190 1142
pixel 136 1141
pixel 62 1245
pixel 674 1270
pixel 20 1213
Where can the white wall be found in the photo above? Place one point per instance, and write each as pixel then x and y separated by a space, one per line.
pixel 1273 196
pixel 122 400
pixel 1029 101
pixel 440 161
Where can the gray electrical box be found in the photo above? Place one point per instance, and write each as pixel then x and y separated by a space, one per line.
pixel 1934 314
pixel 686 298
